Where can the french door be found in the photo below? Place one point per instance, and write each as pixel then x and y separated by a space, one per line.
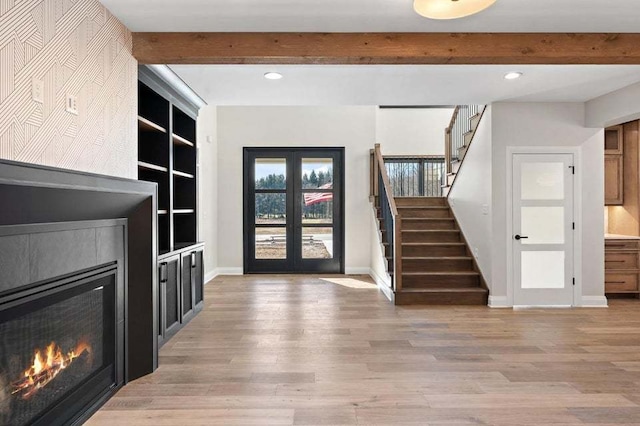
pixel 293 210
pixel 543 225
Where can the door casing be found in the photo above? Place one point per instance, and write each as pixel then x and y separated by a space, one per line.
pixel 577 215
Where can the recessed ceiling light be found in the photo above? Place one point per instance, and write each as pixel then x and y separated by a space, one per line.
pixel 512 75
pixel 273 76
pixel 450 9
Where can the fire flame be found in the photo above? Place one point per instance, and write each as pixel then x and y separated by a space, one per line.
pixel 47 363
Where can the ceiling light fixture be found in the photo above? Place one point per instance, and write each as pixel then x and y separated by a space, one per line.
pixel 273 76
pixel 512 75
pixel 450 9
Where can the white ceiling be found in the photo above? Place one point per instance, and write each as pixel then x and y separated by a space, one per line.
pixel 372 16
pixel 402 84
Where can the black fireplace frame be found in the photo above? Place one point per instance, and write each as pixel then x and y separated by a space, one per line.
pixel 78 405
pixel 33 194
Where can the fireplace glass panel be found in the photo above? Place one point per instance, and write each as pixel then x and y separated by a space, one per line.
pixel 53 345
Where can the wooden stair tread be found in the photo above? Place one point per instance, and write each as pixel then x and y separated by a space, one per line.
pixel 445 290
pixel 419 198
pixel 442 273
pixel 407 219
pixel 446 243
pixel 430 230
pixel 437 257
pixel 424 207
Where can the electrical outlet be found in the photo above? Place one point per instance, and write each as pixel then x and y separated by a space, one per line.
pixel 37 90
pixel 72 104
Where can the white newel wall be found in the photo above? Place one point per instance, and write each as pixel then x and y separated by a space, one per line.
pixel 409 131
pixel 470 197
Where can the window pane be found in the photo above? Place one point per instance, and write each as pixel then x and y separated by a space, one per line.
pixel 317 173
pixel 542 269
pixel 543 225
pixel 317 243
pixel 317 207
pixel 543 181
pixel 271 209
pixel 404 178
pixel 271 173
pixel 271 243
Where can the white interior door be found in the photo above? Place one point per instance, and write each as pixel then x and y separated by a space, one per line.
pixel 543 225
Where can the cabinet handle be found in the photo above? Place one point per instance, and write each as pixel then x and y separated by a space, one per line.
pixel 193 259
pixel 615 282
pixel 163 272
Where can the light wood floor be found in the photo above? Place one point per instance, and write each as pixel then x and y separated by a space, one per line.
pixel 271 350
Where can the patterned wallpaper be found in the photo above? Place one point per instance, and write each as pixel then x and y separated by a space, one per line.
pixel 75 47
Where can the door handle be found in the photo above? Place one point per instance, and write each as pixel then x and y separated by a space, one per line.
pixel 520 237
pixel 163 273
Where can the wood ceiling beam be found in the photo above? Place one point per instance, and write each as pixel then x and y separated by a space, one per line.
pixel 386 48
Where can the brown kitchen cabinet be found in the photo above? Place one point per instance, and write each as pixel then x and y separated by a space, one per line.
pixel 614 166
pixel 622 267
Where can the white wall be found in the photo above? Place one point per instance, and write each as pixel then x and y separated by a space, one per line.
pixel 549 124
pixel 470 197
pixel 351 127
pixel 412 131
pixel 613 108
pixel 208 186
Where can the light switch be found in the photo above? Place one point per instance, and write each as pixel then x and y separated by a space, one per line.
pixel 485 209
pixel 37 90
pixel 72 104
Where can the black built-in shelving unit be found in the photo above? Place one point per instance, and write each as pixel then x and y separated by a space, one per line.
pixel 167 155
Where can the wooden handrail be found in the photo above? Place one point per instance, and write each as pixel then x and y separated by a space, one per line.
pixel 385 180
pixel 453 118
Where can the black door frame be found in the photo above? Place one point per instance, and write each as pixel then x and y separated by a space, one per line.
pixel 294 263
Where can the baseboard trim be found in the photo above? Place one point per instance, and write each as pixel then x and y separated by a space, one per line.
pixel 210 276
pixel 499 302
pixel 230 271
pixel 383 283
pixel 356 271
pixel 594 302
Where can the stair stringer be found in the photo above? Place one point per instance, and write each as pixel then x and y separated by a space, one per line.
pixel 379 270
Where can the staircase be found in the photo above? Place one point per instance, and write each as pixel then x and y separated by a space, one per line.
pixel 427 257
pixel 436 265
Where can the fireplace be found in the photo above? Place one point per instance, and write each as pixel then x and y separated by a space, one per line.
pixel 78 320
pixel 58 347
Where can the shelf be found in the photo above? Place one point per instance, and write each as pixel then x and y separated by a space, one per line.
pixel 183 211
pixel 148 125
pixel 150 166
pixel 179 140
pixel 162 212
pixel 182 174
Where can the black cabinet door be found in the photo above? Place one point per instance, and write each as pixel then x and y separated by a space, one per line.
pixel 198 277
pixel 187 291
pixel 169 297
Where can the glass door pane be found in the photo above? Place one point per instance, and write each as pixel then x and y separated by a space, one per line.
pixel 270 173
pixel 542 225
